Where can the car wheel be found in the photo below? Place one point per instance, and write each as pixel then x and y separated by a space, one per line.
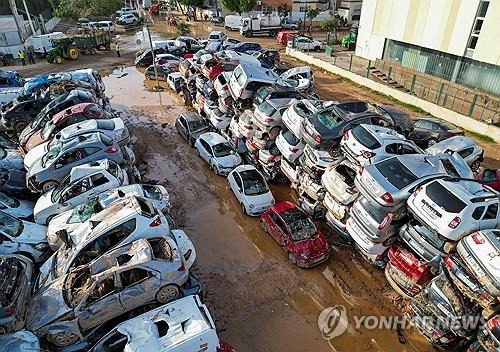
pixel 431 142
pixel 475 166
pixel 48 185
pixel 243 209
pixel 291 258
pixel 274 132
pixel 168 293
pixel 3 330
pixel 63 339
pixel 317 48
pixel 216 169
pixel 20 126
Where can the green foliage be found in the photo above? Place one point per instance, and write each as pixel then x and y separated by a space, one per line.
pixel 183 28
pixel 284 9
pixel 73 9
pixel 329 25
pixel 247 5
pixel 312 13
pixel 481 137
pixel 239 6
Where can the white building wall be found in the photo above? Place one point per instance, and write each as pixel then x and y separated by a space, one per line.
pixel 463 26
pixel 369 45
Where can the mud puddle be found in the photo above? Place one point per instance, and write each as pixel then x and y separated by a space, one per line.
pixel 260 301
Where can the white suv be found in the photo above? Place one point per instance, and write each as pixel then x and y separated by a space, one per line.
pixel 84 182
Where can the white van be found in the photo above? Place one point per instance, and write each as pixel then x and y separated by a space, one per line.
pixel 105 26
pixel 232 22
pixel 43 41
pixel 168 45
pixel 246 80
pixel 184 325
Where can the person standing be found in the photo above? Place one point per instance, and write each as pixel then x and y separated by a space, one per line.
pixel 31 57
pixel 20 55
pixel 117 48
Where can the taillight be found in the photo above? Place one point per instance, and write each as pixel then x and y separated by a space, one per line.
pixel 156 222
pixel 346 135
pixel 294 150
pixel 269 120
pixel 351 190
pixel 8 311
pixel 225 87
pixel 418 189
pixel 448 262
pixel 249 127
pixel 271 158
pixel 361 169
pixel 478 239
pixel 384 222
pixel 110 150
pixel 455 222
pixel 490 324
pixel 317 139
pixel 367 155
pixel 387 197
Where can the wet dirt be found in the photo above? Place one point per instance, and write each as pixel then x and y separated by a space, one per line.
pixel 259 300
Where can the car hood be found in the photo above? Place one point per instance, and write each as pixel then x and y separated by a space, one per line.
pixel 35 154
pixel 24 210
pixel 59 223
pixel 47 305
pixel 22 341
pixel 13 160
pixel 261 199
pixel 34 140
pixel 43 202
pixel 229 161
pixel 33 233
pixel 312 247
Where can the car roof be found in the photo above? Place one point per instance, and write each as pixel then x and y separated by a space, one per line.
pixel 420 165
pixel 243 168
pixel 85 138
pixel 213 138
pixel 454 143
pixel 382 133
pixel 85 170
pixel 73 110
pixel 466 189
pixel 191 116
pixel 259 73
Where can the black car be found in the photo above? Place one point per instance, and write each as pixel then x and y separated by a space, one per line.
pixel 429 131
pixel 17 114
pixel 190 126
pixel 162 71
pixel 145 58
pixel 243 47
pixel 402 122
pixel 355 107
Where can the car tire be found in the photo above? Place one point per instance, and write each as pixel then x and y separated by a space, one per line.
pixel 317 48
pixel 475 165
pixel 168 293
pixel 63 339
pixel 3 330
pixel 48 185
pixel 431 142
pixel 292 259
pixel 243 209
pixel 50 217
pixel 216 169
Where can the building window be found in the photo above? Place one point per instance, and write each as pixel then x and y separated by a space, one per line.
pixel 266 8
pixel 483 8
pixel 476 29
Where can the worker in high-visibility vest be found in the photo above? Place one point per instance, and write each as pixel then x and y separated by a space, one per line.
pixel 117 48
pixel 20 55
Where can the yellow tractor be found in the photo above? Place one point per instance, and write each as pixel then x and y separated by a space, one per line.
pixel 63 48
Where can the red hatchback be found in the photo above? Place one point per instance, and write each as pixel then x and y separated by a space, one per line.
pixel 296 233
pixel 489 177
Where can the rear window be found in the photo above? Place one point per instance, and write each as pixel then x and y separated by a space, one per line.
pixel 146 209
pixel 396 173
pixel 444 198
pixel 329 119
pixel 290 138
pixel 113 168
pixel 267 108
pixel 108 125
pixel 364 137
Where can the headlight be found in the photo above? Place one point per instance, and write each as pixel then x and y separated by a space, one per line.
pixel 273 201
pixel 304 256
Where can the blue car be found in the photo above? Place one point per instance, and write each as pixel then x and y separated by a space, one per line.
pixel 244 47
pixel 9 79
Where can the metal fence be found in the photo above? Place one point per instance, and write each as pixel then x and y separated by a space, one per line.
pixel 456 97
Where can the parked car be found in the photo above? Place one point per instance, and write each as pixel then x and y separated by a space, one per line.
pixel 23 237
pixel 174 81
pixel 11 159
pixel 175 339
pixel 17 274
pixel 490 177
pixel 463 146
pixel 489 334
pixel 128 19
pixel 190 126
pixel 245 47
pixel 368 144
pixel 219 119
pixel 113 284
pixel 188 44
pixel 251 190
pixel 167 59
pixel 217 152
pixel 13 182
pixel 59 104
pixel 66 118
pixel 429 131
pixel 20 341
pixel 246 126
pixel 19 208
pixel 280 94
pixel 474 269
pixel 299 110
pixel 131 219
pixel 246 80
pixel 316 161
pixel 16 115
pixel 217 36
pixel 162 70
pixel 84 182
pixel 290 147
pixel 267 117
pixel 48 171
pixel 296 233
pixel 304 43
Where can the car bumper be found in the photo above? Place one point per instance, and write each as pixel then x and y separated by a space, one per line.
pixel 400 282
pixel 370 251
pixel 310 262
pixel 192 286
pixel 338 226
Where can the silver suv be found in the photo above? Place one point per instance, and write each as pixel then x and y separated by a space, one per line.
pixel 464 146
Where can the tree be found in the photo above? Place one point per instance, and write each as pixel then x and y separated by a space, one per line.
pixel 73 9
pixel 183 28
pixel 283 10
pixel 232 5
pixel 329 25
pixel 311 14
pixel 191 6
pixel 247 5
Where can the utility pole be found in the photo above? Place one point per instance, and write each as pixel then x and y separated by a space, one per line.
pixel 13 8
pixel 305 14
pixel 158 87
pixel 29 18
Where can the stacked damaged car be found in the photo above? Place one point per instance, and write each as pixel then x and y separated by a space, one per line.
pixel 84 246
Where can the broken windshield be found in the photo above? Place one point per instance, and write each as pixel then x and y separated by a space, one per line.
pixel 301 226
pixel 253 183
pixel 53 149
pixel 76 285
pixel 222 149
pixel 83 212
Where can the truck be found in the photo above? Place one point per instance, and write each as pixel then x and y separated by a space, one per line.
pixel 264 24
pixel 43 43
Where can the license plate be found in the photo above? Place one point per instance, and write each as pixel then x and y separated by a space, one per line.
pixel 476 268
pixel 371 184
pixel 417 247
pixel 429 210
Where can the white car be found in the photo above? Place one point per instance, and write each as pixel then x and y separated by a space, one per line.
pixel 267 117
pixel 297 111
pixel 338 180
pixel 174 81
pixel 70 220
pixel 368 144
pixel 304 43
pixel 219 119
pixel 251 190
pixel 291 171
pixel 127 19
pixel 217 36
pixel 229 43
pixel 290 147
pixel 84 182
pixel 119 224
pixel 316 161
pixel 135 334
pixel 217 152
pixel 246 126
pixel 16 207
pixel 221 84
pixel 23 237
pixel 167 59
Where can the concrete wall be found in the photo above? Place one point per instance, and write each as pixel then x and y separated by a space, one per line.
pixel 436 110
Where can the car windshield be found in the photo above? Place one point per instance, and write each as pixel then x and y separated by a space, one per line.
pixel 262 93
pixel 10 225
pixel 196 125
pixel 83 212
pixel 365 138
pixel 222 150
pixel 47 107
pixel 56 193
pixel 214 36
pixel 253 183
pixel 48 129
pixel 329 119
pixel 10 202
pixel 396 173
pixel 267 108
pixel 53 150
pixel 444 198
pixel 301 226
pixel 152 192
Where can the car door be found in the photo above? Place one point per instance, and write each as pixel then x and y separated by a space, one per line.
pixel 101 304
pixel 237 185
pixel 491 218
pixel 100 182
pixel 205 150
pixel 274 228
pixel 137 286
pixel 420 131
pixel 77 194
